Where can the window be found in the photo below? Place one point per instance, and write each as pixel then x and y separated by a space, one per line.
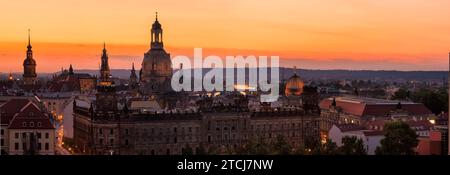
pixel 101 141
pixel 39 135
pixel 39 146
pixel 2 132
pixel 24 135
pixel 209 139
pixel 39 124
pixel 126 131
pixel 46 135
pixel 190 129
pixel 174 129
pixel 31 124
pixel 126 142
pixel 2 142
pixel 111 142
pixel 46 146
pixel 24 146
pixel 111 131
pixel 16 146
pixel 31 114
pixel 100 131
pixel 24 124
pixel 16 135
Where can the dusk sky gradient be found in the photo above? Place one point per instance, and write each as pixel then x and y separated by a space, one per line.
pixel 324 34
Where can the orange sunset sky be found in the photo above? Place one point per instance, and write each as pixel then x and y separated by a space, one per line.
pixel 325 34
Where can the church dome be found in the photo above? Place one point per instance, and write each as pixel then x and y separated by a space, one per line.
pixel 294 86
pixel 157 63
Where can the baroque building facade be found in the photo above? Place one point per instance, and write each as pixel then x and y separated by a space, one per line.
pixel 149 125
pixel 134 133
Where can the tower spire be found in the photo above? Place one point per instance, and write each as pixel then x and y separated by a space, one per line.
pixel 70 69
pixel 29 38
pixel 156 15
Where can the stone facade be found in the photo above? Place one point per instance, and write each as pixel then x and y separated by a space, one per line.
pixel 136 133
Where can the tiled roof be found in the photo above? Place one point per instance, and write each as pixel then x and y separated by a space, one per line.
pixel 31 87
pixel 350 127
pixel 31 117
pixel 24 114
pixel 10 108
pixel 373 133
pixel 371 108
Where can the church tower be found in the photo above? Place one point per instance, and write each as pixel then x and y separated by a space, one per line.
pixel 106 97
pixel 133 78
pixel 105 76
pixel 156 72
pixel 71 70
pixel 29 65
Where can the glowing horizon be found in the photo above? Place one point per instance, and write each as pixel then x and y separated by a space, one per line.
pixel 355 34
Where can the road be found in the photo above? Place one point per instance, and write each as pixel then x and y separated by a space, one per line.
pixel 61 151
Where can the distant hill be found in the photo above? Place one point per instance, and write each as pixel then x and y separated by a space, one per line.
pixel 311 74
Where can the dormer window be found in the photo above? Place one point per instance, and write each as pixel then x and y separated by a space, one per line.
pixel 31 124
pixel 24 124
pixel 39 124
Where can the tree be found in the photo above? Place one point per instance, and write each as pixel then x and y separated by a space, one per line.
pixel 352 146
pixel 435 100
pixel 328 148
pixel 254 147
pixel 401 94
pixel 187 150
pixel 399 139
pixel 281 147
pixel 213 150
pixel 200 150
